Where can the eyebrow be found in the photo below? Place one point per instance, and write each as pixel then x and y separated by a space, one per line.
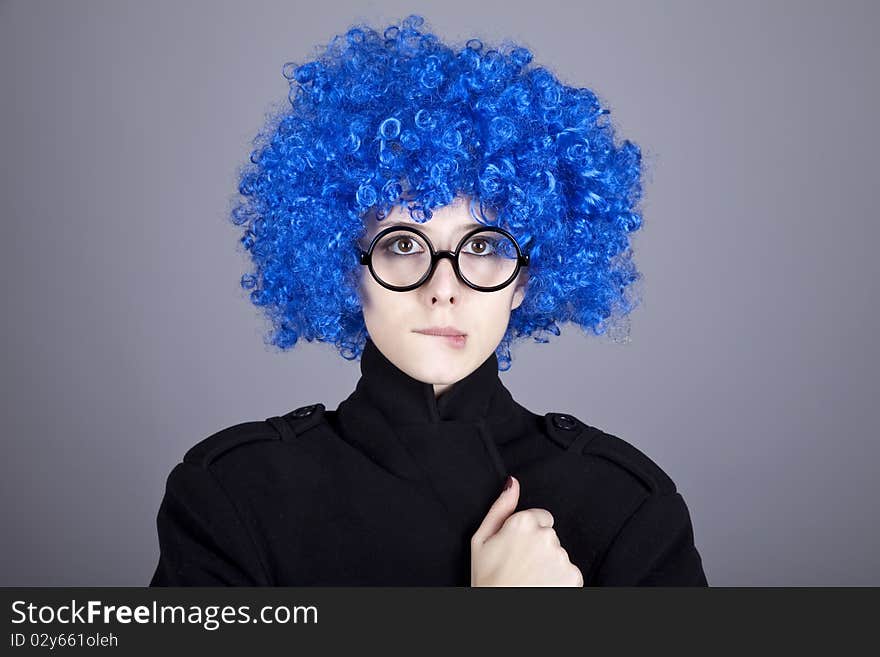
pixel 409 224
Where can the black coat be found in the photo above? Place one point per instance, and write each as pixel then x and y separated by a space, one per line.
pixel 388 489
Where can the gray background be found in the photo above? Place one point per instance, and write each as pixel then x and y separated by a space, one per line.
pixel 751 373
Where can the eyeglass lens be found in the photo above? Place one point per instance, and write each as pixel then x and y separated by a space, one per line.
pixel 486 259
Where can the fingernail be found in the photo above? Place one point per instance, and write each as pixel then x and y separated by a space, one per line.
pixel 508 483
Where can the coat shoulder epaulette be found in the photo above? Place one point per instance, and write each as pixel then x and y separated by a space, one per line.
pixel 209 449
pixel 284 427
pixel 298 421
pixel 575 435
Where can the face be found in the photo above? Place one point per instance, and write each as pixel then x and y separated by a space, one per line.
pixel 394 319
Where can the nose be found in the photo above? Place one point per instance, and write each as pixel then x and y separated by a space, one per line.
pixel 443 285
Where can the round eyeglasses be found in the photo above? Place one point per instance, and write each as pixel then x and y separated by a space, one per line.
pixel 486 259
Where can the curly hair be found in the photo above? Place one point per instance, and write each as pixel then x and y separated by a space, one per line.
pixel 398 118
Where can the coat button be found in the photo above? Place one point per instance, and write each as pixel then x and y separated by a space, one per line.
pixel 304 411
pixel 564 422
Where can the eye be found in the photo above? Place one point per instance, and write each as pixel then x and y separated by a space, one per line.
pixel 405 246
pixel 483 246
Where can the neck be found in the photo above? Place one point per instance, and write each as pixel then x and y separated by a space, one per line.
pixel 440 388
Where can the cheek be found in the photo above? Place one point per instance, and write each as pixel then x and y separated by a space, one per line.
pixel 495 314
pixel 381 307
pixel 372 295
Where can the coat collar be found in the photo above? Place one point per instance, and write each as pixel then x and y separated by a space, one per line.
pixel 447 447
pixel 403 400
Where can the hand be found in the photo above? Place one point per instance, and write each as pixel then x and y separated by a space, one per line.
pixel 519 549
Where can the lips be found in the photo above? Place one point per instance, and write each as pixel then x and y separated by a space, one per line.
pixel 454 340
pixel 444 331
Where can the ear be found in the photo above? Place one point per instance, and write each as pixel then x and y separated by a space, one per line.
pixel 519 292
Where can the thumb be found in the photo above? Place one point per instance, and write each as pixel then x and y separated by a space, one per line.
pixel 503 506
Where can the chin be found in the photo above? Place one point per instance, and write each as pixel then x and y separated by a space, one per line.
pixel 436 368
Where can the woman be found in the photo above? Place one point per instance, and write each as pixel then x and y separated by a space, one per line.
pixel 421 207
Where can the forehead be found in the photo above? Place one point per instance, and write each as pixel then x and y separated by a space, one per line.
pixel 454 218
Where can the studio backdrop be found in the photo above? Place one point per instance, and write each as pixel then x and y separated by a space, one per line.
pixel 748 372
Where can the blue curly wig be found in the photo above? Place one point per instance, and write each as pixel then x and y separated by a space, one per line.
pixel 398 118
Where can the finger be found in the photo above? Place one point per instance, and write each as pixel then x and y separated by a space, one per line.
pixel 503 506
pixel 543 517
pixel 530 520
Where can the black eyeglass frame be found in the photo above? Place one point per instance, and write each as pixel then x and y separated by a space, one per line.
pixel 366 258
